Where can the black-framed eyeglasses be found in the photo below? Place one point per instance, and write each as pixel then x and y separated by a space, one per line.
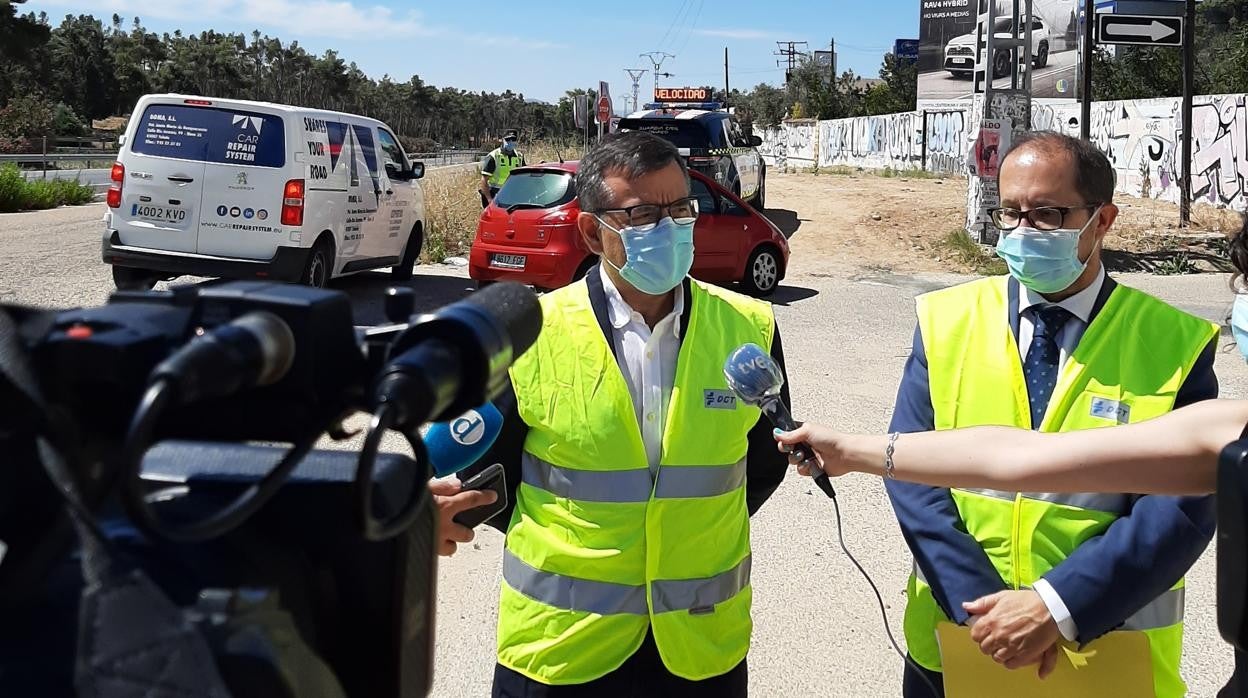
pixel 646 216
pixel 1041 218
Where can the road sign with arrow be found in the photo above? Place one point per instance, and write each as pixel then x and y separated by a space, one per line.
pixel 1139 30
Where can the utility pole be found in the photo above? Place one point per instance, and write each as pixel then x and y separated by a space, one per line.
pixel 656 59
pixel 635 75
pixel 788 56
pixel 1085 111
pixel 726 93
pixel 1189 87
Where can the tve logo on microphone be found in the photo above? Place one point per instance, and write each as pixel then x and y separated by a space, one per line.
pixel 719 399
pixel 468 428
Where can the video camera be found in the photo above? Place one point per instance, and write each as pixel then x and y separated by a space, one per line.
pixel 155 538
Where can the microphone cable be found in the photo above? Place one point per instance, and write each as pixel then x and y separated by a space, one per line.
pixel 840 537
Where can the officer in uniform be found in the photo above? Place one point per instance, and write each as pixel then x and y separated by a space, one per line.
pixel 633 469
pixel 497 166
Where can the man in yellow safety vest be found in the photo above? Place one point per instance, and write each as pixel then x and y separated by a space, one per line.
pixel 497 166
pixel 1055 346
pixel 632 467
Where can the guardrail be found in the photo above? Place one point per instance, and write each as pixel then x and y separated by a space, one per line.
pixel 443 157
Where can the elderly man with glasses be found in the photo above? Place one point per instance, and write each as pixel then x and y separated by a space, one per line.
pixel 626 569
pixel 1054 346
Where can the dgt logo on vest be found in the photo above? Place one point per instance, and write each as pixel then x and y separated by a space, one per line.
pixel 468 428
pixel 719 399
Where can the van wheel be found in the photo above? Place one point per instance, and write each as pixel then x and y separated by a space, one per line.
pixel 131 279
pixel 411 252
pixel 762 271
pixel 1042 59
pixel 317 271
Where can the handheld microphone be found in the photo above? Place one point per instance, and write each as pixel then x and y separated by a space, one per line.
pixel 756 378
pixel 255 349
pixel 457 444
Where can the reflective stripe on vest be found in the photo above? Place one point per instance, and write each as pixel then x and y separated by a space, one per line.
pixel 606 598
pixel 1162 611
pixel 1116 504
pixel 674 482
pixel 503 165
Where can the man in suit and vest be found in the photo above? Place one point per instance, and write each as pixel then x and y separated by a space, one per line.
pixel 497 166
pixel 1054 346
pixel 634 471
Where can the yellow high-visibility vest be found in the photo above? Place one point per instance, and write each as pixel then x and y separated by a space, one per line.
pixel 503 165
pixel 1132 359
pixel 598 549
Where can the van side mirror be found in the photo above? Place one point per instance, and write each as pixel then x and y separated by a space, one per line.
pixel 396 173
pixel 756 141
pixel 418 170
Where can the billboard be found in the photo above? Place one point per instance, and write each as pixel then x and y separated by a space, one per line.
pixel 947 46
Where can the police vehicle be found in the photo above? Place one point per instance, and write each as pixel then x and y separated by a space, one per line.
pixel 712 142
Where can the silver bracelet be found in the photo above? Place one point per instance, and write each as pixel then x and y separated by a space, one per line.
pixel 888 455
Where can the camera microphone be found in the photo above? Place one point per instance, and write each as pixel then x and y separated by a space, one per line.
pixel 457 444
pixel 254 349
pixel 756 378
pixel 457 358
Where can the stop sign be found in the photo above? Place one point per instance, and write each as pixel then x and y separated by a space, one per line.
pixel 604 110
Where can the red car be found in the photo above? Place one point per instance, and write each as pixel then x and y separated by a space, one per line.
pixel 528 234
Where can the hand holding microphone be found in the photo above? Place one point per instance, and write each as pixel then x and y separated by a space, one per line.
pixel 453 446
pixel 828 447
pixel 756 378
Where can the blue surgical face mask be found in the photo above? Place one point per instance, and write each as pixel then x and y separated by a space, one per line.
pixel 657 259
pixel 1239 323
pixel 1045 261
pixel 509 146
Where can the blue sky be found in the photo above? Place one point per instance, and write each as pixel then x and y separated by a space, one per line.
pixel 542 48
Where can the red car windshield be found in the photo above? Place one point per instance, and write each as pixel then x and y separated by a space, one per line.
pixel 536 189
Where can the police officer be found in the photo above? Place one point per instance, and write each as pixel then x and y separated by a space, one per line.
pixel 497 166
pixel 627 559
pixel 1055 346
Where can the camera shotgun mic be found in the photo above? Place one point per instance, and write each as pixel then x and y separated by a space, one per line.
pixel 756 378
pixel 255 349
pixel 457 444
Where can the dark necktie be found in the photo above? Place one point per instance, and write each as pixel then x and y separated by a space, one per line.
pixel 1043 358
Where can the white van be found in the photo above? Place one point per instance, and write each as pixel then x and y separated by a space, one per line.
pixel 238 189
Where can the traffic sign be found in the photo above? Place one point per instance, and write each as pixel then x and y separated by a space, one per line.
pixel 1139 30
pixel 604 110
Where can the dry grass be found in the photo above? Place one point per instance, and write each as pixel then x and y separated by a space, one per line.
pixel 453 206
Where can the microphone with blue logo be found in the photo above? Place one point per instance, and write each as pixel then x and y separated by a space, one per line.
pixel 756 378
pixel 462 441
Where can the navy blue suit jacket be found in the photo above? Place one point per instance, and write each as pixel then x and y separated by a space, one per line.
pixel 1106 579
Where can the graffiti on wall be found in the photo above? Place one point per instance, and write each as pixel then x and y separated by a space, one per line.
pixel 1140 137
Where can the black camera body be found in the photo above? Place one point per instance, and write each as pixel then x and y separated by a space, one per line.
pixel 138 420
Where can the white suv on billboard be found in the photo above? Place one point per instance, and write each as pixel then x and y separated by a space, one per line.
pixel 960 51
pixel 238 189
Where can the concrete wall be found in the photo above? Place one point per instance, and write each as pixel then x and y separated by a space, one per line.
pixel 1140 137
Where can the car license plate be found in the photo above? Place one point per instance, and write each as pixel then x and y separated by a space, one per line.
pixel 507 261
pixel 959 61
pixel 174 216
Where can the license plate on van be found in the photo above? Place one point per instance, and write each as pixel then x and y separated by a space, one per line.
pixel 507 261
pixel 169 216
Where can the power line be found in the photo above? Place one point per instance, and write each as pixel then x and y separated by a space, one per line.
pixel 635 75
pixel 788 54
pixel 694 25
pixel 656 59
pixel 675 21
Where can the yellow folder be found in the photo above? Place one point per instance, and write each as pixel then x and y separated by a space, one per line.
pixel 1116 664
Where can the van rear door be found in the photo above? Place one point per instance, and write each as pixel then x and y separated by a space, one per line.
pixel 160 197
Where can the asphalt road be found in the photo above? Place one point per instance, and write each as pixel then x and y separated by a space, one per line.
pixel 943 85
pixel 817 628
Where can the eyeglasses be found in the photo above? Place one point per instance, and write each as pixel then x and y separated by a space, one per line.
pixel 646 216
pixel 1042 218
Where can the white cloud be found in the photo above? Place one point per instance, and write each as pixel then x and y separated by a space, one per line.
pixel 735 33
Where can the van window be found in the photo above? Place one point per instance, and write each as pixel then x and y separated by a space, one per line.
pixel 353 139
pixel 391 150
pixel 211 134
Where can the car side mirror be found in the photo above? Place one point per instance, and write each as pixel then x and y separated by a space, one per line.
pixel 418 170
pixel 756 141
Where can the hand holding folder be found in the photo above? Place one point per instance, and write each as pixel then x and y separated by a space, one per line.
pixel 1118 664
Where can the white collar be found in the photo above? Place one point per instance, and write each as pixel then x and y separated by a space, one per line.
pixel 621 313
pixel 1080 305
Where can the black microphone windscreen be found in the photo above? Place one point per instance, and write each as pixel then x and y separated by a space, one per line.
pixel 516 308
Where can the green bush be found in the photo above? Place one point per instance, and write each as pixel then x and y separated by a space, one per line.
pixel 18 194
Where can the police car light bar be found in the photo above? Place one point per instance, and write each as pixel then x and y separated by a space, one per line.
pixel 708 106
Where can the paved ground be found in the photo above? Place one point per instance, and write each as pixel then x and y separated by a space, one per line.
pixel 817 629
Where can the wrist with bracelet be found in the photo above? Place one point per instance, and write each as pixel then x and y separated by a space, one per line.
pixel 888 456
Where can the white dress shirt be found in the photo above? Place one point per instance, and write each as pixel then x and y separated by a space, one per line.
pixel 1080 307
pixel 647 358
